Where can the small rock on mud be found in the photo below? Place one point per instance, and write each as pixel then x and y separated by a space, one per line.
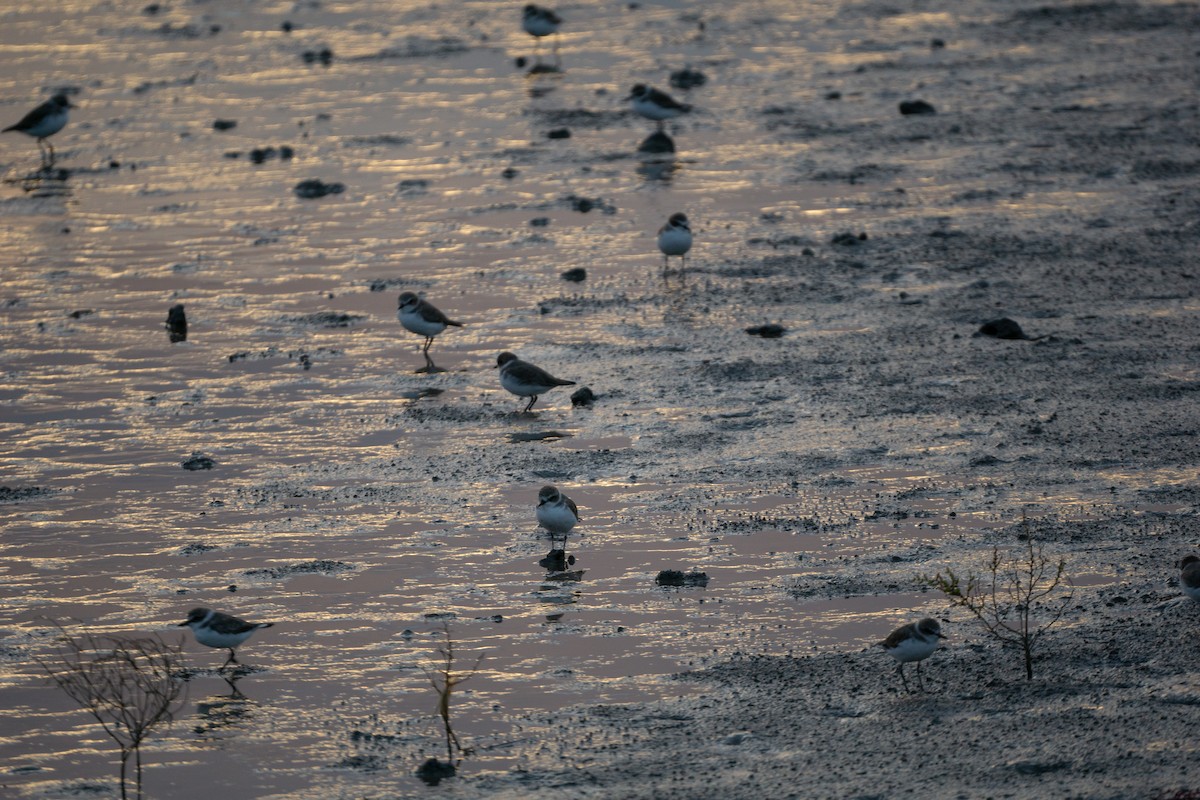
pixel 583 396
pixel 1003 328
pixel 576 275
pixel 910 107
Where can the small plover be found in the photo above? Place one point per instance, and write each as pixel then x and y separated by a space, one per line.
pixel 1189 577
pixel 653 104
pixel 214 629
pixel 675 239
pixel 422 317
pixel 538 21
pixel 46 120
pixel 913 642
pixel 524 379
pixel 556 512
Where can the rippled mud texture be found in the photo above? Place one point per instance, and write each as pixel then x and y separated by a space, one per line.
pixel 284 463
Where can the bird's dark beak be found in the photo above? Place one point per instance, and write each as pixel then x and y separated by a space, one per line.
pixel 183 625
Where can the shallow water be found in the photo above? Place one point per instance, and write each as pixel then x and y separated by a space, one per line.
pixel 327 446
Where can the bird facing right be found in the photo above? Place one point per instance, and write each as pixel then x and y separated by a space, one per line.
pixel 524 379
pixel 214 629
pixel 913 642
pixel 46 120
pixel 556 512
pixel 675 239
pixel 422 317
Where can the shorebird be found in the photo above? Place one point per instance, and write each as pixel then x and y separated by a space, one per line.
pixel 538 21
pixel 214 629
pixel 653 104
pixel 675 239
pixel 422 317
pixel 913 642
pixel 556 512
pixel 524 379
pixel 44 121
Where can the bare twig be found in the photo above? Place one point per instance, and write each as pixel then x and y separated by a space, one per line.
pixel 444 680
pixel 1006 597
pixel 128 684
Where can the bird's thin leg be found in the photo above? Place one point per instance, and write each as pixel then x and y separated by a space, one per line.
pixel 557 58
pixel 231 660
pixel 429 365
pixel 660 126
pixel 900 669
pixel 920 680
pixel 532 400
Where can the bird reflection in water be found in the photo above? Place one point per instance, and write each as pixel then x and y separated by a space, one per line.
pixel 559 565
pixel 226 711
pixel 47 181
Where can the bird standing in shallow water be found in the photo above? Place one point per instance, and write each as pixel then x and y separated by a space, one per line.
pixel 422 317
pixel 538 21
pixel 214 629
pixel 524 379
pixel 44 121
pixel 653 104
pixel 556 512
pixel 913 642
pixel 675 239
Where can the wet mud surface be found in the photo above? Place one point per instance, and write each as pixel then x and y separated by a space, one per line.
pixel 283 461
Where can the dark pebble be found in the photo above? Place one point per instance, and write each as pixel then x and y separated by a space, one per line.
pixel 576 275
pixel 936 44
pixel 313 188
pixel 769 331
pixel 224 124
pixel 910 107
pixel 1003 328
pixel 509 173
pixel 286 26
pixel 833 95
pixel 231 587
pixel 688 78
pixel 521 61
pixel 559 133
pixel 583 397
pixel 539 222
pixel 176 323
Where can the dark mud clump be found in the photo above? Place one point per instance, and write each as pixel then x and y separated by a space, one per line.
pixel 19 494
pixel 768 331
pixel 1004 328
pixel 198 461
pixel 326 319
pixel 434 771
pixel 312 188
pixel 674 577
pixel 322 567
